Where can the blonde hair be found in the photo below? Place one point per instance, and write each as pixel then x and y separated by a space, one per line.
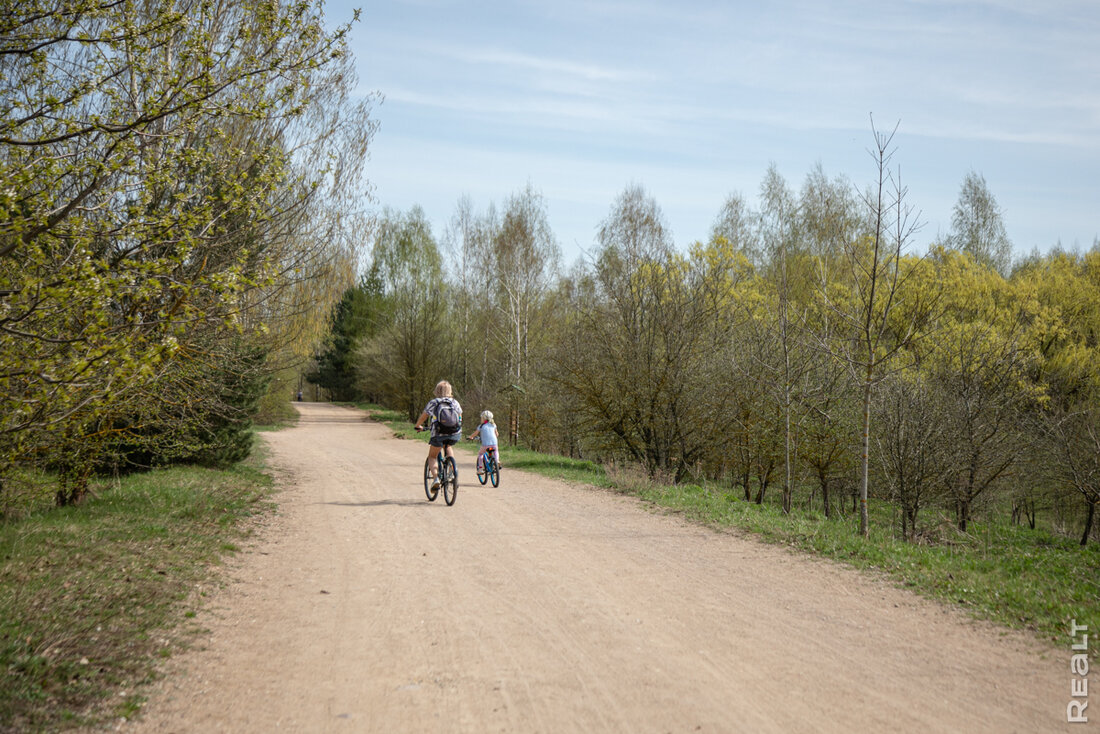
pixel 443 389
pixel 487 415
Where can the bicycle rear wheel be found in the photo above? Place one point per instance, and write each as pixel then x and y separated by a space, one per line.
pixel 450 480
pixel 494 472
pixel 428 489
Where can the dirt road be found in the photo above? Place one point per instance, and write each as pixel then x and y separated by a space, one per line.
pixel 543 607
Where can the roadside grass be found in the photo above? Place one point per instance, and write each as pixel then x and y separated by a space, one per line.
pixel 1036 580
pixel 92 597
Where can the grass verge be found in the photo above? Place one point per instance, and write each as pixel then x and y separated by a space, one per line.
pixel 1009 574
pixel 91 597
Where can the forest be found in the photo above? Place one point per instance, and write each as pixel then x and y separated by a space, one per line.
pixel 812 347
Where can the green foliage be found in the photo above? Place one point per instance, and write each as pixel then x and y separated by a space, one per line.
pixel 223 427
pixel 407 355
pixel 356 318
pixel 166 188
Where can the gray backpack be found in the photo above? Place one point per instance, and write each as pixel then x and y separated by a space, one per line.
pixel 447 416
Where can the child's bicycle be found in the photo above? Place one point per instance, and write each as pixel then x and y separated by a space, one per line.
pixel 447 473
pixel 490 467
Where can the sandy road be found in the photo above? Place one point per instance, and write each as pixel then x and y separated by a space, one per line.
pixel 543 607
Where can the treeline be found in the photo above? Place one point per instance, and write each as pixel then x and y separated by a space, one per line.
pixel 805 348
pixel 179 185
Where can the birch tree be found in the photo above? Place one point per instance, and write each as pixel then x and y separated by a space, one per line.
pixel 525 259
pixel 977 225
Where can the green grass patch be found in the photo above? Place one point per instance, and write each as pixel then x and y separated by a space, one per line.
pixel 1009 574
pixel 91 596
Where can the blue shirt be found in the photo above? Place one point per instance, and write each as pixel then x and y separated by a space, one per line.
pixel 488 433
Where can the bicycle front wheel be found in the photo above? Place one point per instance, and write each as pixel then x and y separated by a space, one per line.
pixel 450 481
pixel 432 492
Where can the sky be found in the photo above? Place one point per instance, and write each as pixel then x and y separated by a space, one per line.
pixel 696 99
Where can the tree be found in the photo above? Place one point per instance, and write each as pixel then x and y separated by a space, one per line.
pixel 354 319
pixel 462 240
pixel 977 226
pixel 829 220
pixel 525 257
pixel 779 236
pixel 877 273
pixel 737 224
pixel 1067 288
pixel 641 346
pixel 979 363
pixel 910 445
pixel 405 359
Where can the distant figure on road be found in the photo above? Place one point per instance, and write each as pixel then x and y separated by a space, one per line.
pixel 445 416
pixel 299 396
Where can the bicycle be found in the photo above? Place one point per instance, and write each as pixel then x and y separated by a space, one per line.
pixel 490 467
pixel 447 473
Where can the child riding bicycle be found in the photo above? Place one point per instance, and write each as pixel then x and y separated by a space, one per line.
pixel 487 432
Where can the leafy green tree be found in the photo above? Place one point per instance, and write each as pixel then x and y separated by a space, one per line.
pixel 1067 289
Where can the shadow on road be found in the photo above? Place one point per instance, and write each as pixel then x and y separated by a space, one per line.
pixel 380 503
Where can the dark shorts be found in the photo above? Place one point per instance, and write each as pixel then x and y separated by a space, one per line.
pixel 441 441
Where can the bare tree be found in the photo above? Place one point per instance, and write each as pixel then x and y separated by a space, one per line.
pixel 910 445
pixel 982 378
pixel 461 239
pixel 879 313
pixel 1072 432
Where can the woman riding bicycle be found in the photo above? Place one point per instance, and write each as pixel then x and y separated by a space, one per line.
pixel 445 415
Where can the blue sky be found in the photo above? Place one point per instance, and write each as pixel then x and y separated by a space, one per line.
pixel 695 99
